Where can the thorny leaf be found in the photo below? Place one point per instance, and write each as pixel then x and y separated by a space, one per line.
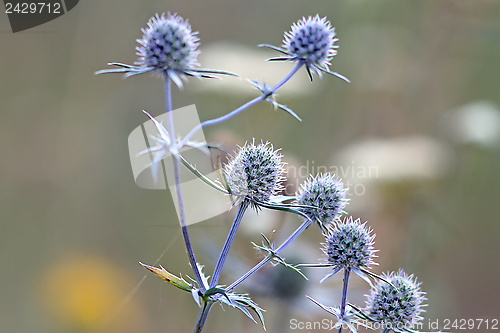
pixel 169 277
pixel 242 302
pixel 269 249
pixel 200 175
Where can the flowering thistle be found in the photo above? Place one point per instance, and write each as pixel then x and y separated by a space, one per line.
pixel 168 47
pixel 399 306
pixel 168 44
pixel 349 245
pixel 327 194
pixel 312 42
pixel 256 172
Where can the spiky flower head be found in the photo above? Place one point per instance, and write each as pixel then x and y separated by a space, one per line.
pixel 312 40
pixel 255 172
pixel 168 44
pixel 349 244
pixel 398 306
pixel 325 192
pixel 168 47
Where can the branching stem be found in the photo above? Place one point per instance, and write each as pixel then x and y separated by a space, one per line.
pixel 229 240
pixel 268 258
pixel 177 176
pixel 245 106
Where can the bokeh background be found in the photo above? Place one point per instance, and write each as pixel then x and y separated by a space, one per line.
pixel 422 111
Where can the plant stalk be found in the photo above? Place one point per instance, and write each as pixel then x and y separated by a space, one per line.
pixel 202 317
pixel 177 176
pixel 347 270
pixel 229 240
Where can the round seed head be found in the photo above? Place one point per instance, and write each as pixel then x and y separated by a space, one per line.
pixel 399 307
pixel 327 193
pixel 349 244
pixel 255 172
pixel 168 44
pixel 312 40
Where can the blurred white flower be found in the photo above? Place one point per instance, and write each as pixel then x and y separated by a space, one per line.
pixel 365 164
pixel 403 158
pixel 477 123
pixel 249 63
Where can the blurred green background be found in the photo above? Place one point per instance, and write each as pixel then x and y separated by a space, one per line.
pixel 422 108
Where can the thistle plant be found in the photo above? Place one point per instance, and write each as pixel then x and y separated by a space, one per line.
pixel 395 301
pixel 399 306
pixel 253 175
pixel 168 47
pixel 349 246
pixel 310 42
pixel 327 197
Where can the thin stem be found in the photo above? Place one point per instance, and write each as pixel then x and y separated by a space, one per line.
pixel 292 237
pixel 202 317
pixel 249 273
pixel 177 176
pixel 245 106
pixel 168 105
pixel 347 270
pixel 229 240
pixel 264 261
pixel 294 70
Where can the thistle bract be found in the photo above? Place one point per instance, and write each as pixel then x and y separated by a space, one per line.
pixel 349 244
pixel 312 40
pixel 327 194
pixel 397 308
pixel 168 44
pixel 255 172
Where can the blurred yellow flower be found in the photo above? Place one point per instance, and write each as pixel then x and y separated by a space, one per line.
pixel 84 293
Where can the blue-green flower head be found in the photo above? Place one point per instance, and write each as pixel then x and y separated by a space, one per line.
pixel 397 308
pixel 349 244
pixel 255 172
pixel 168 47
pixel 312 40
pixel 325 192
pixel 168 44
